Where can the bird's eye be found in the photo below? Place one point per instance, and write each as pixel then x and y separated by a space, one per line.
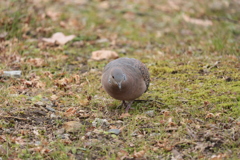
pixel 112 76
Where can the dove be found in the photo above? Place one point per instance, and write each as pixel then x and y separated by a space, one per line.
pixel 125 79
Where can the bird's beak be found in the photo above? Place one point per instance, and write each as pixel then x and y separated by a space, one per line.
pixel 119 85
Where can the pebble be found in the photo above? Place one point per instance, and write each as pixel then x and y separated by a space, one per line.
pixel 114 131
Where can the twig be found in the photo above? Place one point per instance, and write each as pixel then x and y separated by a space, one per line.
pixel 182 142
pixel 224 19
pixel 24 119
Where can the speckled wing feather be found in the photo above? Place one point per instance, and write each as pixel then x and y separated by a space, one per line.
pixel 143 69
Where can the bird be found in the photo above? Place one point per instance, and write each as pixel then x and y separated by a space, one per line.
pixel 125 79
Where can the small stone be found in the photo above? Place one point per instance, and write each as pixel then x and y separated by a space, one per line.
pixel 150 113
pixel 39 104
pixel 53 115
pixel 114 131
pixel 50 108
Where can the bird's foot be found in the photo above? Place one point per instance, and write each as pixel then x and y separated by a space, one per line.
pixel 128 106
pixel 122 104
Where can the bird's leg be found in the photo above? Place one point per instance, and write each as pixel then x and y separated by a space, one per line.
pixel 122 104
pixel 128 106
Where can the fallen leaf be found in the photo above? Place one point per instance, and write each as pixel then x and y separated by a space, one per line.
pixel 54 97
pixel 83 102
pixel 104 54
pixel 104 5
pixel 3 35
pixel 34 83
pixel 18 140
pixel 173 5
pixel 40 149
pixel 209 115
pixel 218 157
pixel 48 74
pixel 139 154
pixel 122 154
pixel 140 117
pixel 52 14
pixel 75 78
pixel 37 62
pixel 62 82
pixel 70 112
pixel 160 53
pixel 124 115
pixel 170 122
pixel 59 37
pixel 196 21
pixel 72 126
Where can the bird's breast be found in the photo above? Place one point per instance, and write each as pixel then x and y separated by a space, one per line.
pixel 130 90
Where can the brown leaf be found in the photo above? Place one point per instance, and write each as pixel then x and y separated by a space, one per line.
pixel 72 126
pixel 139 154
pixel 218 157
pixel 37 62
pixel 104 54
pixel 75 78
pixel 18 140
pixel 62 82
pixel 40 149
pixel 34 83
pixel 48 74
pixel 3 138
pixel 170 122
pixel 60 38
pixel 54 97
pixel 140 117
pixel 52 14
pixel 122 154
pixel 70 112
pixel 104 5
pixel 3 35
pixel 209 115
pixel 84 102
pixel 124 115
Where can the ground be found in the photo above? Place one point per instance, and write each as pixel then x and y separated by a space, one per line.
pixel 57 108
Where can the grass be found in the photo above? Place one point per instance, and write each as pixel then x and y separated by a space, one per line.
pixel 195 72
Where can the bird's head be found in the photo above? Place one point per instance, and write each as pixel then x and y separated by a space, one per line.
pixel 116 77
